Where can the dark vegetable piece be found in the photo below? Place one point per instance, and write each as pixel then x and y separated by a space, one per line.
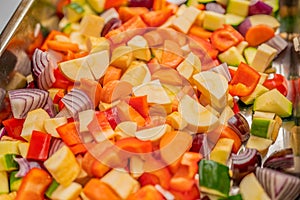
pixel 215 7
pixel 259 7
pixel 140 3
pixel 211 174
pixel 240 125
pixel 278 185
pixel 112 24
pixel 244 163
pixel 280 160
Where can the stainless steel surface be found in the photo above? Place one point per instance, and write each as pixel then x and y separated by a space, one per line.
pixel 14 22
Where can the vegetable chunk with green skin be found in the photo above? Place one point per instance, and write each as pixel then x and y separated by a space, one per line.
pixel 211 174
pixel 14 182
pixel 273 101
pixel 7 162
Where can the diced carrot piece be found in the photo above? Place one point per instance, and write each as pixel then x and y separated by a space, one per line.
pixel 62 46
pixel 50 37
pixel 259 34
pixel 112 73
pixel 158 4
pixel 127 13
pixel 99 169
pixel 96 189
pixel 146 193
pixel 92 89
pixel 200 32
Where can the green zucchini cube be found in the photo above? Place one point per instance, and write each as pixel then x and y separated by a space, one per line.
pixel 214 178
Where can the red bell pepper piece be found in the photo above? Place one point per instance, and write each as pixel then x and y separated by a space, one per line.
pixel 226 37
pixel 181 180
pixel 34 185
pixel 279 82
pixel 236 108
pixel 148 179
pixel 140 104
pixel 39 146
pixel 112 117
pixel 60 5
pixel 147 192
pixel 204 46
pixel 244 81
pixel 100 125
pixel 14 128
pixel 192 194
pixel 61 81
pixel 69 134
pixel 156 18
pixel 191 159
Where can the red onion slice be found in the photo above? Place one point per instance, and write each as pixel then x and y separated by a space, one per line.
pixel 278 43
pixel 43 67
pixel 47 78
pixel 259 7
pixel 240 125
pixel 280 160
pixel 2 96
pixel 24 100
pixel 55 146
pixel 76 101
pixel 223 70
pixel 25 166
pixel 40 60
pixel 278 185
pixel 244 26
pixel 215 7
pixel 244 163
pixel 2 132
pixel 49 108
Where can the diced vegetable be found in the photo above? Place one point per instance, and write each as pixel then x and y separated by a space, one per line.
pixel 210 175
pixel 7 162
pixel 39 146
pixel 4 185
pixel 34 185
pixel 278 185
pixel 63 166
pixel 14 181
pixel 244 80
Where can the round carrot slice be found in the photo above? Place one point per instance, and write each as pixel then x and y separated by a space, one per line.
pixel 259 34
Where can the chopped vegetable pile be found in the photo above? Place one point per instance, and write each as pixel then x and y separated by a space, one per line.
pixel 141 100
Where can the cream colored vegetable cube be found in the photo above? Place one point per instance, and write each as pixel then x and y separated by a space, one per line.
pixel 140 48
pixel 70 192
pixel 212 20
pixel 63 166
pixel 121 182
pixel 34 121
pixel 91 25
